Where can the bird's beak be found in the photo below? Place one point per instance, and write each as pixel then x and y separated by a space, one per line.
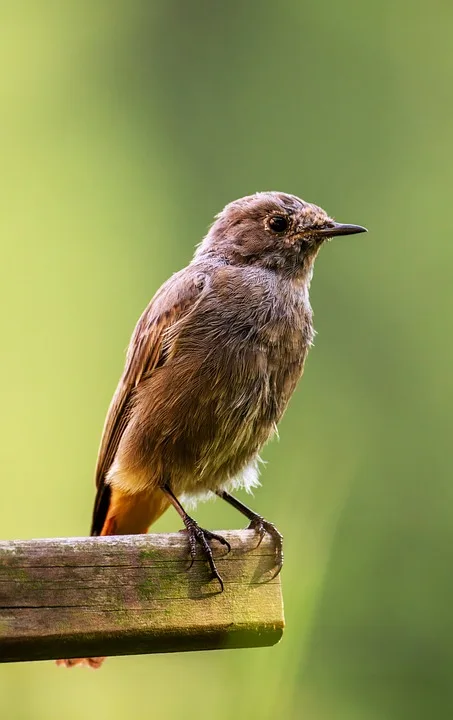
pixel 339 229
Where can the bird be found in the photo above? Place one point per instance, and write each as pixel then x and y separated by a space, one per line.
pixel 211 366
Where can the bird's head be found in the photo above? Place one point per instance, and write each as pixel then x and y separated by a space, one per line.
pixel 272 230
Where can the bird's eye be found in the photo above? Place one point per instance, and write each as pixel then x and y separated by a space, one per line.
pixel 278 223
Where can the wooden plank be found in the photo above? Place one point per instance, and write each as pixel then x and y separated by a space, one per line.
pixel 125 595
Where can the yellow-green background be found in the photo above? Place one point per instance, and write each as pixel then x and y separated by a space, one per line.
pixel 124 126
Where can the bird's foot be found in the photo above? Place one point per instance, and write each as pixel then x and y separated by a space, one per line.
pixel 261 527
pixel 202 537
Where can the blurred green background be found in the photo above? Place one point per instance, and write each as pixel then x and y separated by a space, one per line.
pixel 124 126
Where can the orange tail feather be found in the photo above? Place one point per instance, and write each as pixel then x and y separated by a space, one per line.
pixel 131 514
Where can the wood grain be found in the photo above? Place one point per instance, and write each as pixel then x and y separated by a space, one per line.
pixel 125 595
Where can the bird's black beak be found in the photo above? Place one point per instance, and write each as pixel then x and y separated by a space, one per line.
pixel 335 228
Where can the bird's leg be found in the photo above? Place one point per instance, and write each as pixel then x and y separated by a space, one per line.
pixel 259 524
pixel 197 535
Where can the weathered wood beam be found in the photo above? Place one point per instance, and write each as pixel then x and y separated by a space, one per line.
pixel 126 595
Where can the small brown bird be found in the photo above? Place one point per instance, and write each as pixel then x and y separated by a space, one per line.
pixel 211 366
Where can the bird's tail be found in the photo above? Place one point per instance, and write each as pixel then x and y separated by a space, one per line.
pixel 122 513
pixel 119 513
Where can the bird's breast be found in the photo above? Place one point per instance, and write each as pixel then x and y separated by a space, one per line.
pixel 252 356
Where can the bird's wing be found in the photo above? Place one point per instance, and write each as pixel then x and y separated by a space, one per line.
pixel 147 350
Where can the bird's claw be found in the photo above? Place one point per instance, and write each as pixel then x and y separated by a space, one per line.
pixel 261 527
pixel 202 537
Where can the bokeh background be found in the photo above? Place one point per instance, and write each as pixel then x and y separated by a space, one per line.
pixel 124 126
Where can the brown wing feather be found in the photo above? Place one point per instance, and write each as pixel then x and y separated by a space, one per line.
pixel 147 350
